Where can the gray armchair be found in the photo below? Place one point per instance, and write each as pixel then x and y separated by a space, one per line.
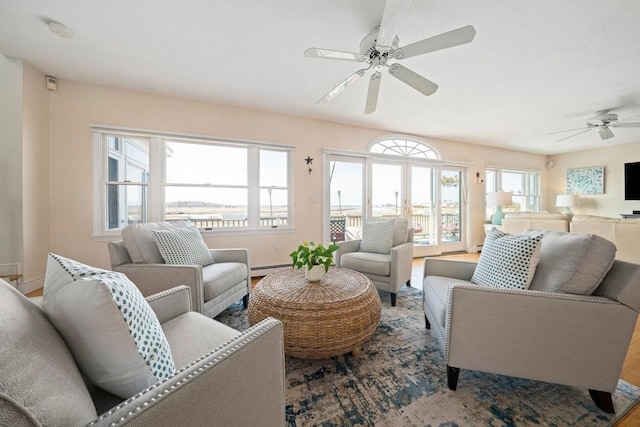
pixel 40 383
pixel 388 271
pixel 214 287
pixel 576 340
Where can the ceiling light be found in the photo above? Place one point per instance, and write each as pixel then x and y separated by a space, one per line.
pixel 60 30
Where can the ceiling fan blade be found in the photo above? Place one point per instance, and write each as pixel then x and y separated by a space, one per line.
pixel 605 132
pixel 341 86
pixel 394 10
pixel 315 52
pixel 579 133
pixel 625 125
pixel 568 130
pixel 442 41
pixel 416 81
pixel 372 94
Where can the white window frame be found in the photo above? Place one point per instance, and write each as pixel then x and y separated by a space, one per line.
pixel 529 194
pixel 156 180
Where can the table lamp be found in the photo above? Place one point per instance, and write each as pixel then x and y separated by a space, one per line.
pixel 568 201
pixel 499 199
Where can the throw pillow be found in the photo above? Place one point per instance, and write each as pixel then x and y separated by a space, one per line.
pixel 182 246
pixel 572 263
pixel 139 242
pixel 111 330
pixel 377 235
pixel 507 261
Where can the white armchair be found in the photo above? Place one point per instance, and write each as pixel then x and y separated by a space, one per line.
pixel 214 287
pixel 384 254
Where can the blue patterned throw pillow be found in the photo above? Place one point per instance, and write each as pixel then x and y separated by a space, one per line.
pixel 111 330
pixel 507 261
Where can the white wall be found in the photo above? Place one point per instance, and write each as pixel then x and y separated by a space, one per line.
pixel 35 176
pixel 613 158
pixel 10 165
pixel 75 107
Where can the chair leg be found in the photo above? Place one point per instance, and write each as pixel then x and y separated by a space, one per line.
pixel 602 399
pixel 426 322
pixel 245 301
pixel 393 300
pixel 452 377
pixel 409 282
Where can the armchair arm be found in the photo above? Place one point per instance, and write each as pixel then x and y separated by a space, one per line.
pixel 171 303
pixel 401 263
pixel 239 383
pixel 231 255
pixel 561 338
pixel 154 278
pixel 346 247
pixel 461 270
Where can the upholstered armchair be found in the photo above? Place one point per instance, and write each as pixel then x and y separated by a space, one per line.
pixel 384 254
pixel 222 376
pixel 572 326
pixel 224 279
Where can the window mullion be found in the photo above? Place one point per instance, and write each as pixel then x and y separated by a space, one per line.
pixel 157 165
pixel 253 179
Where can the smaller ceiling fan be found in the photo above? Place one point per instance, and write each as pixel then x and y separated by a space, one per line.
pixel 602 121
pixel 382 45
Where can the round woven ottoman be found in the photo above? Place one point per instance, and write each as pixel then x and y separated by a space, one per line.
pixel 321 319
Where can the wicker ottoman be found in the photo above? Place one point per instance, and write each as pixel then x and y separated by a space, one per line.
pixel 321 319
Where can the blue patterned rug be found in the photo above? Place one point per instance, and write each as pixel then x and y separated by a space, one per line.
pixel 400 380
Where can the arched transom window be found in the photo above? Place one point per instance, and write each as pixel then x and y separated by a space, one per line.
pixel 405 148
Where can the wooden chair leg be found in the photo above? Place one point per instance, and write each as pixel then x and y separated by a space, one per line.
pixel 452 377
pixel 245 301
pixel 393 300
pixel 602 399
pixel 426 322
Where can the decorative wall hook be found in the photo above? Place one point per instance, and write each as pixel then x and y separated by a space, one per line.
pixel 478 180
pixel 309 161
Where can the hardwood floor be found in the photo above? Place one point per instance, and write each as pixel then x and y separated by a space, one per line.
pixel 630 370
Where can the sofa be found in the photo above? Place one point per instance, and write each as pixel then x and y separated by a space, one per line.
pixel 623 232
pixel 569 321
pixel 222 377
pixel 517 222
pixel 214 285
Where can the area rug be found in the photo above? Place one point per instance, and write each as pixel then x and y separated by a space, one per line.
pixel 400 380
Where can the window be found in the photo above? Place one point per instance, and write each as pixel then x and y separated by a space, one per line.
pixel 404 147
pixel 221 185
pixel 524 185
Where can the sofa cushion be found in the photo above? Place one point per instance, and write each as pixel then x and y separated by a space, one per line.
pixel 112 331
pixel 377 235
pixel 220 277
pixel 400 231
pixel 367 262
pixel 139 242
pixel 182 246
pixel 41 383
pixel 572 263
pixel 507 261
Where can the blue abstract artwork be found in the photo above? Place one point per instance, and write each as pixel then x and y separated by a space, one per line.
pixel 585 180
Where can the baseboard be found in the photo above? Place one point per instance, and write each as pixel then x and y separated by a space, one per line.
pixel 263 270
pixel 31 285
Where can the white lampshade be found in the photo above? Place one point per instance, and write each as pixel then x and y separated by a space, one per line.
pixel 499 198
pixel 567 200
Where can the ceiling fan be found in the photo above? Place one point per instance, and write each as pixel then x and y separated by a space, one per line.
pixel 602 121
pixel 381 45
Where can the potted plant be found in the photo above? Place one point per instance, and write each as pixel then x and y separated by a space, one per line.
pixel 313 257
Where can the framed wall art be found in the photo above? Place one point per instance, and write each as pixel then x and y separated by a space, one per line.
pixel 585 180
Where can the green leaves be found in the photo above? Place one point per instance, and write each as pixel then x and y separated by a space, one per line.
pixel 310 254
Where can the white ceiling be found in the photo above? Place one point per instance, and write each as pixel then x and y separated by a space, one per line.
pixel 534 67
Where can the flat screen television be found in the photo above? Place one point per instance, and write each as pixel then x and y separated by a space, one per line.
pixel 632 181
